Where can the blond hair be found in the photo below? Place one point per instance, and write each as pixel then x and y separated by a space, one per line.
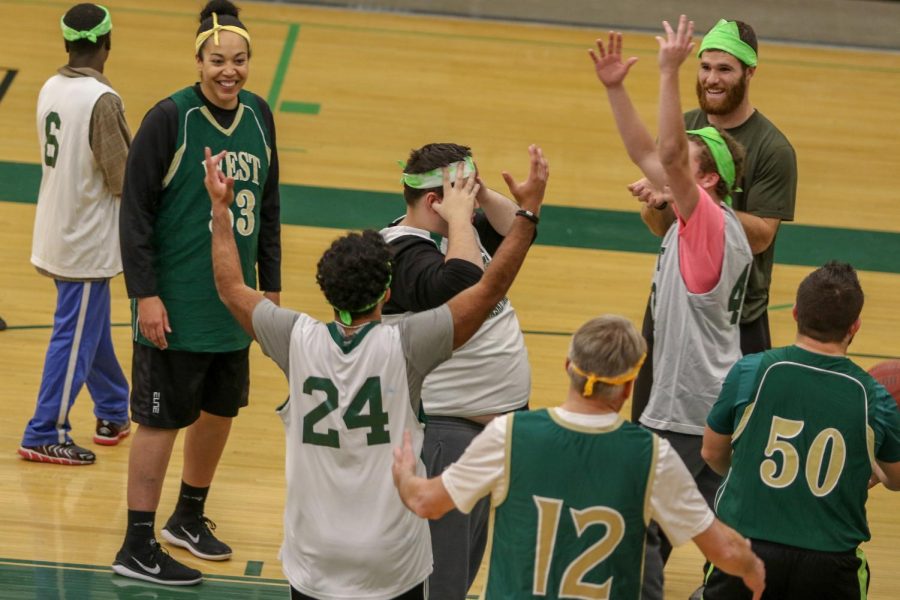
pixel 607 346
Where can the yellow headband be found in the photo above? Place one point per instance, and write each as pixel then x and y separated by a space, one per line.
pixel 214 32
pixel 617 380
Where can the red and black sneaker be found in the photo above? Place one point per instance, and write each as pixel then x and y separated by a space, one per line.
pixel 109 433
pixel 58 454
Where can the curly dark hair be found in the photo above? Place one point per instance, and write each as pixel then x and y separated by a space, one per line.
pixel 84 17
pixel 226 14
pixel 428 157
pixel 354 272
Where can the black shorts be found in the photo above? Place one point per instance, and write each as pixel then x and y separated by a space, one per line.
pixel 797 574
pixel 169 388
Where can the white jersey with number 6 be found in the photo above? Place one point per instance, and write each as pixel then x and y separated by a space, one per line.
pixel 76 225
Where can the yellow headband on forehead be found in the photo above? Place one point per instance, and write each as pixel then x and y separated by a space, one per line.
pixel 593 378
pixel 214 33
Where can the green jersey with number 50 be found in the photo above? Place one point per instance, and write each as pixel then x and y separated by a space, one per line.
pixel 805 429
pixel 182 233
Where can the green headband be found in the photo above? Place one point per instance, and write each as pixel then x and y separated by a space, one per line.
pixel 72 35
pixel 720 153
pixel 435 177
pixel 346 316
pixel 725 36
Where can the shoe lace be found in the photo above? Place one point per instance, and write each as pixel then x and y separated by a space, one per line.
pixel 158 553
pixel 207 524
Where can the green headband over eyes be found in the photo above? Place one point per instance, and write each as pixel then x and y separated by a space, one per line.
pixel 720 153
pixel 435 177
pixel 73 35
pixel 346 316
pixel 725 36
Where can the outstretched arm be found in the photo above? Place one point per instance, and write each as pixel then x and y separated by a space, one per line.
pixel 235 294
pixel 611 72
pixel 674 48
pixel 472 306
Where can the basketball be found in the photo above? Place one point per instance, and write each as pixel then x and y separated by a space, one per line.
pixel 887 374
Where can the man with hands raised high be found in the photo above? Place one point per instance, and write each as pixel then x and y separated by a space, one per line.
pixel 355 387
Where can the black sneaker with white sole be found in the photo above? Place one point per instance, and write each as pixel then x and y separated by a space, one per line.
pixel 196 535
pixel 154 565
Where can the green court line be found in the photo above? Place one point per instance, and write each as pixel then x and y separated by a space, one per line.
pixel 254 568
pixel 29 579
pixel 561 226
pixel 283 62
pixel 304 108
pixel 780 306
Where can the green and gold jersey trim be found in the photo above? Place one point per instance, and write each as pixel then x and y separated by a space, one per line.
pixel 584 428
pixel 651 480
pixel 212 120
pixel 500 499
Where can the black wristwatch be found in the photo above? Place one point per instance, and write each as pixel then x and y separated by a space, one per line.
pixel 528 215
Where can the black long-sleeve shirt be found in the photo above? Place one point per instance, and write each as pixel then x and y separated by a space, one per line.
pixel 149 159
pixel 422 280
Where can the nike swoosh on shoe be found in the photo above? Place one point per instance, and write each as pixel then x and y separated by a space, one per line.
pixel 153 571
pixel 193 538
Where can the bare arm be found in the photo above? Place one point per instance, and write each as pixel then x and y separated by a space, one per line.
pixel 472 306
pixel 656 213
pixel 674 48
pixel 235 294
pixel 731 552
pixel 427 498
pixel 657 221
pixel 499 210
pixel 888 474
pixel 611 72
pixel 760 230
pixel 716 450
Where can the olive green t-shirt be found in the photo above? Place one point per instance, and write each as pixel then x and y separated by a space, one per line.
pixel 768 189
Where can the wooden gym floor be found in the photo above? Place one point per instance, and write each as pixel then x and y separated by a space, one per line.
pixel 352 93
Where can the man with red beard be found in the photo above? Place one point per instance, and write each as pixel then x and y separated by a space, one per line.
pixel 728 59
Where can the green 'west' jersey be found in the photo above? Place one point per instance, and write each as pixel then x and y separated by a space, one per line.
pixel 573 521
pixel 182 231
pixel 805 428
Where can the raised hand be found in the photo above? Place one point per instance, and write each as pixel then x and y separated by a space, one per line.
pixel 459 197
pixel 220 188
pixel 530 193
pixel 675 46
pixel 608 65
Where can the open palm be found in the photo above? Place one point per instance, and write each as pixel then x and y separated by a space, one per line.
pixel 608 61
